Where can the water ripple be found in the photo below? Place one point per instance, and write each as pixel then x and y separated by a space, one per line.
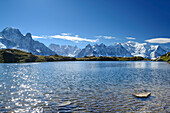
pixel 84 87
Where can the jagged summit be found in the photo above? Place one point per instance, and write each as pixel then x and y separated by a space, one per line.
pixel 28 35
pixel 65 50
pixel 118 44
pixel 12 38
pixel 144 49
pixel 102 45
pixel 127 49
pixel 103 50
pixel 11 30
pixel 88 45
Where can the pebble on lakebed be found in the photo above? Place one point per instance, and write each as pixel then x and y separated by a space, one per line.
pixel 142 94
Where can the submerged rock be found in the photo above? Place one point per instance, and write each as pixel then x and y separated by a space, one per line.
pixel 142 94
pixel 64 104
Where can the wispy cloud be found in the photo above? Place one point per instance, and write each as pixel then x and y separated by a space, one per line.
pixel 75 38
pixel 159 40
pixel 106 37
pixel 34 37
pixel 130 38
pixel 66 36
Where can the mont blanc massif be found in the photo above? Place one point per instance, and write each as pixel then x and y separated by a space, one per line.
pixel 13 38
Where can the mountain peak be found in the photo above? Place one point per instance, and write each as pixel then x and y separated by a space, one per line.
pixel 88 45
pixel 102 44
pixel 118 45
pixel 11 30
pixel 28 35
pixel 14 39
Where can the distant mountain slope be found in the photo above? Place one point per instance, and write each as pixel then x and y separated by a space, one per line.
pixel 165 57
pixel 103 50
pixel 12 38
pixel 65 50
pixel 144 49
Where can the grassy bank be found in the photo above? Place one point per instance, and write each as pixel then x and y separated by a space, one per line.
pixel 18 56
pixel 102 58
pixel 165 57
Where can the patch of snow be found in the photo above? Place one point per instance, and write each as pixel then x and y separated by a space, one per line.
pixel 2 46
pixel 38 50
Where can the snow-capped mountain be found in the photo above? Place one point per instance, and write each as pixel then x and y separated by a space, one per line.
pixel 12 38
pixel 127 49
pixel 65 50
pixel 144 49
pixel 103 50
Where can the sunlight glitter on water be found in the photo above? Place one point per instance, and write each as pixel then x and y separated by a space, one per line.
pixel 84 87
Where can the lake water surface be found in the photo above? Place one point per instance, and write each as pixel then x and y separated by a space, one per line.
pixel 84 86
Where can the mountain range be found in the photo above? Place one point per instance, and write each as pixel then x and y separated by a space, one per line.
pixel 103 50
pixel 127 49
pixel 65 50
pixel 12 38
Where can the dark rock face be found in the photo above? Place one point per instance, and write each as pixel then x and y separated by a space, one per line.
pixel 12 38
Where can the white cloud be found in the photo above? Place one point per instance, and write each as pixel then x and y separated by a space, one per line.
pixel 130 38
pixel 33 36
pixel 98 36
pixel 109 37
pixel 75 38
pixel 106 37
pixel 159 40
pixel 66 34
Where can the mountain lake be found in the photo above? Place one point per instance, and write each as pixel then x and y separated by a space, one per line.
pixel 84 86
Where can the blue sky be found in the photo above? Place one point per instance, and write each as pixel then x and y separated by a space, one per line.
pixel 79 22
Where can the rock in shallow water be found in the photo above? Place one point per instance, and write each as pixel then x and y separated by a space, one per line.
pixel 64 103
pixel 142 95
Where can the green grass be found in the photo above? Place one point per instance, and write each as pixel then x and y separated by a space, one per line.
pixel 165 57
pixel 17 56
pixel 102 58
